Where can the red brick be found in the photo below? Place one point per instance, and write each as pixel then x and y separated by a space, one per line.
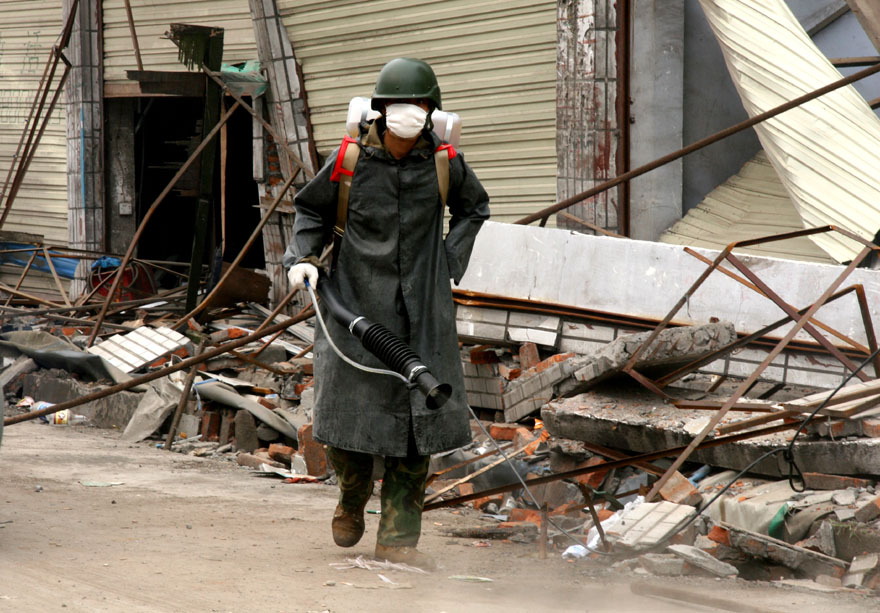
pixel 281 453
pixel 312 451
pixel 679 490
pixel 227 426
pixel 604 514
pixel 481 355
pixel 572 509
pixel 869 511
pixel 720 535
pixel 820 481
pixel 593 479
pixel 525 515
pixel 522 437
pixel 553 359
pixel 503 432
pixel 871 427
pixel 465 489
pixel 210 429
pixel 528 356
pixel 479 503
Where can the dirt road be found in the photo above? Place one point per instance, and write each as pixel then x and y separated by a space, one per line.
pixel 177 533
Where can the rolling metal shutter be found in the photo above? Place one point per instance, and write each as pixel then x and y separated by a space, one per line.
pixel 496 63
pixel 28 29
pixel 151 20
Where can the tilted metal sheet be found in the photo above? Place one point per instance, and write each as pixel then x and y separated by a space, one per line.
pixel 496 63
pixel 827 151
pixel 751 204
pixel 152 19
pixel 28 30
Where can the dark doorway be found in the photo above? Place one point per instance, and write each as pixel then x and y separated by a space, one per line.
pixel 167 131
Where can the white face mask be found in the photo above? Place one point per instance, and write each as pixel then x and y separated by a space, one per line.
pixel 405 120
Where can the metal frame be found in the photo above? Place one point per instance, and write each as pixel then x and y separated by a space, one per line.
pixel 801 322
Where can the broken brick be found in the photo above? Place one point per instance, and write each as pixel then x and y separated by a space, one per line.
pixel 521 515
pixel 820 481
pixel 595 478
pixel 312 451
pixel 679 490
pixel 465 489
pixel 720 535
pixel 480 355
pixel 281 453
pixel 479 503
pixel 503 432
pixel 210 429
pixel 871 427
pixel 528 356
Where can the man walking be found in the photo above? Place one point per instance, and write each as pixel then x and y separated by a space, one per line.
pixel 392 265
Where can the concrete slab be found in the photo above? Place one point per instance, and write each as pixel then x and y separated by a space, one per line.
pixel 672 348
pixel 626 417
pixel 699 558
pixel 646 279
pixel 646 525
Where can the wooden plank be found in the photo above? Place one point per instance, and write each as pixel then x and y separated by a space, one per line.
pixel 862 389
pixel 868 14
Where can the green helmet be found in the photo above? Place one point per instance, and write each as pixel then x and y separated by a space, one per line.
pixel 406 78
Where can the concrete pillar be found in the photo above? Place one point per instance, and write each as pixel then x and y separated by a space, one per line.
pixel 85 140
pixel 657 88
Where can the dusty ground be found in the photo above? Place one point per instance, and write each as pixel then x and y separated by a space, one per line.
pixel 178 533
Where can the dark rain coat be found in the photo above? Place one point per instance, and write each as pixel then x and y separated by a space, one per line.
pixel 394 267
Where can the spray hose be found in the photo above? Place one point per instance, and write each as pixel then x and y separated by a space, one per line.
pixel 404 363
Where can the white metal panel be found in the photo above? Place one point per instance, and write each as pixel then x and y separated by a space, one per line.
pixel 751 204
pixel 827 151
pixel 152 19
pixel 496 63
pixel 28 29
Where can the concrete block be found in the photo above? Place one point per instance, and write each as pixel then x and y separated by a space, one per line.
pixel 864 563
pixel 674 346
pixel 869 511
pixel 797 558
pixel 245 432
pixel 189 425
pixel 649 523
pixel 579 346
pixel 844 498
pixel 699 558
pixel 662 564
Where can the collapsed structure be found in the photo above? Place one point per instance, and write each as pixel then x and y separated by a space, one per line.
pixel 615 367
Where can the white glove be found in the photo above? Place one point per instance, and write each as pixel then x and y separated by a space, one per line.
pixel 298 273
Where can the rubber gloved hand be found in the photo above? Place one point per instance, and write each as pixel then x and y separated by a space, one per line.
pixel 298 273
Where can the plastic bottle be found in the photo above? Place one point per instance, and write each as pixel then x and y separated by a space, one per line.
pixel 60 418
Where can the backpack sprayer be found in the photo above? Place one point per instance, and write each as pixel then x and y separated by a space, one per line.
pixel 383 344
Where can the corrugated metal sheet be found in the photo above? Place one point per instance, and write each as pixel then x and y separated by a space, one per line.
pixel 751 204
pixel 28 29
pixel 826 152
pixel 152 18
pixel 496 63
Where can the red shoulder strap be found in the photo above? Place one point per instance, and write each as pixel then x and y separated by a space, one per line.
pixel 338 168
pixel 450 148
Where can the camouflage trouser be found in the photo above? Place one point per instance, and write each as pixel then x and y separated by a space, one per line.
pixel 403 492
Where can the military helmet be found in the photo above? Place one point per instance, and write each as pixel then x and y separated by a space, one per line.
pixel 406 78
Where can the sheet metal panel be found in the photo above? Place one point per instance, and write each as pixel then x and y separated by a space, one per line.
pixel 28 29
pixel 496 63
pixel 826 151
pixel 152 19
pixel 751 204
